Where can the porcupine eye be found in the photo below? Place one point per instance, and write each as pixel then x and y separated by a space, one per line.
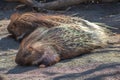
pixel 26 54
pixel 13 25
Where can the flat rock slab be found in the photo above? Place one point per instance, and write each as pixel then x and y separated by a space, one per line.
pixel 101 64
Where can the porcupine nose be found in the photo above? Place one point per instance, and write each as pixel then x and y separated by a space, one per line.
pixel 19 60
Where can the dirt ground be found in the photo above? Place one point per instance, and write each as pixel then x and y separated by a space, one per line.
pixel 101 64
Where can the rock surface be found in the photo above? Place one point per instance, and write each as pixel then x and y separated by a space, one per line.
pixel 101 64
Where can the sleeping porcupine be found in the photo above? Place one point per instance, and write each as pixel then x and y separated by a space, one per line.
pixel 48 46
pixel 22 25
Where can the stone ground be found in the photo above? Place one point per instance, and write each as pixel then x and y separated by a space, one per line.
pixel 101 64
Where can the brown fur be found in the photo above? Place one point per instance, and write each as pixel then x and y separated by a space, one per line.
pixel 50 45
pixel 24 24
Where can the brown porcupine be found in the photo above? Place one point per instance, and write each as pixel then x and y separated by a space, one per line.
pixel 48 46
pixel 22 25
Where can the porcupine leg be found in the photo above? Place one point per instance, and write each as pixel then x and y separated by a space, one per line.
pixel 47 60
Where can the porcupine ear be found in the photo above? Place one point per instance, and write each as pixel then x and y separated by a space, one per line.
pixel 49 55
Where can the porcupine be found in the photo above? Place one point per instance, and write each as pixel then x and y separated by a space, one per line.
pixel 22 25
pixel 49 46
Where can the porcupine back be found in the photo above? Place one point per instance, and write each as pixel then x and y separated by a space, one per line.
pixel 73 40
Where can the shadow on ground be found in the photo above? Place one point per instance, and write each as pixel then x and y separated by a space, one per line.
pixel 98 69
pixel 20 69
pixel 8 8
pixel 7 43
pixel 108 13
